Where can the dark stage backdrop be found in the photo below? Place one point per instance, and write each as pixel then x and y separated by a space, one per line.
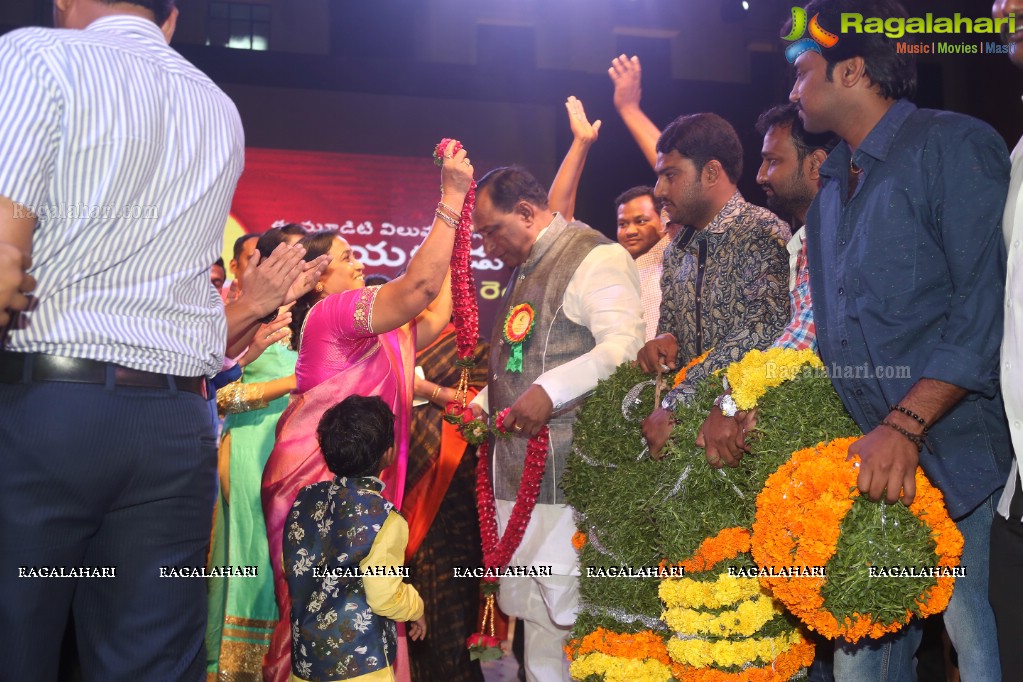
pixel 383 206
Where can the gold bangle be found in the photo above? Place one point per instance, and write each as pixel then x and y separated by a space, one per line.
pixel 435 392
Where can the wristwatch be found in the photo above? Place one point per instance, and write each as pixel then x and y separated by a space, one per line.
pixel 727 405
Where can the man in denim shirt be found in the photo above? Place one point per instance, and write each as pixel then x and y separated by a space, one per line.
pixel 907 267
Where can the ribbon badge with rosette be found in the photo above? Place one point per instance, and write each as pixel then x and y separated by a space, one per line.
pixel 518 326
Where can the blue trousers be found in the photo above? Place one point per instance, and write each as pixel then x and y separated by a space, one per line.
pixel 104 477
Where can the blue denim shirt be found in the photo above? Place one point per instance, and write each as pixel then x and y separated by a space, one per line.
pixel 907 279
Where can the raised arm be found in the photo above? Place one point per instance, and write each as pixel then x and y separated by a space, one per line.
pixel 626 75
pixel 402 299
pixel 566 183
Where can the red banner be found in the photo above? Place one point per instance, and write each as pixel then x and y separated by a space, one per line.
pixel 383 206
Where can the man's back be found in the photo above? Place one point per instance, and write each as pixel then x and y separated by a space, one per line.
pixel 129 156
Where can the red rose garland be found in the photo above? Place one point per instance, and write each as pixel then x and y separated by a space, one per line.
pixel 497 551
pixel 463 288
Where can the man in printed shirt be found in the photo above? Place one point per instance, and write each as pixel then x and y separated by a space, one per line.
pixel 790 176
pixel 1006 588
pixel 106 444
pixel 907 267
pixel 724 285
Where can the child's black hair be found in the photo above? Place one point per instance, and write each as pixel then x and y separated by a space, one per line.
pixel 355 434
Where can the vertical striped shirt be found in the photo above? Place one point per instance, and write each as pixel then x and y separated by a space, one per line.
pixel 129 156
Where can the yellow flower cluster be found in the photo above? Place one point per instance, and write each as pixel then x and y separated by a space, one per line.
pixel 714 594
pixel 744 620
pixel 757 371
pixel 700 653
pixel 615 669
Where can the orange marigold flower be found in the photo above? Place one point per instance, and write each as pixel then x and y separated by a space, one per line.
pixel 727 544
pixel 681 376
pixel 578 540
pixel 639 646
pixel 798 523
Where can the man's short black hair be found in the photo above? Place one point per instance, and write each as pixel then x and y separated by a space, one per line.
pixel 635 193
pixel 239 243
pixel 355 434
pixel 220 263
pixel 787 116
pixel 511 184
pixel 893 73
pixel 702 138
pixel 161 9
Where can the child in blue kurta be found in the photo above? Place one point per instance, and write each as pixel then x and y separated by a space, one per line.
pixel 344 549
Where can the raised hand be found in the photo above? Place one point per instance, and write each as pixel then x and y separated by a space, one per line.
pixel 626 75
pixel 583 131
pixel 456 173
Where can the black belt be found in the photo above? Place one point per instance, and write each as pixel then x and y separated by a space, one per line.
pixel 18 367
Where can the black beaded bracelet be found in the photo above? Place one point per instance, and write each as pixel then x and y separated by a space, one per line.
pixel 913 438
pixel 909 413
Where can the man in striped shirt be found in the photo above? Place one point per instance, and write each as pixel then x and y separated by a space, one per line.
pixel 118 161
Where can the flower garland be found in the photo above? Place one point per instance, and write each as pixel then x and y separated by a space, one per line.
pixel 783 667
pixel 726 653
pixel 640 645
pixel 617 669
pixel 757 371
pixel 628 509
pixel 728 544
pixel 498 551
pixel 799 521
pixel 681 376
pixel 711 594
pixel 744 619
pixel 640 657
pixel 465 313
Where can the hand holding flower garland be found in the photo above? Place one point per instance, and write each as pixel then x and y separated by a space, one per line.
pixel 498 551
pixel 811 506
pixel 463 290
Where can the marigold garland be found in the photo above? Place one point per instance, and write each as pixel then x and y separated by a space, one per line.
pixel 711 594
pixel 616 669
pixel 631 509
pixel 784 667
pixel 681 375
pixel 758 371
pixel 798 522
pixel 728 544
pixel 744 620
pixel 640 645
pixel 728 653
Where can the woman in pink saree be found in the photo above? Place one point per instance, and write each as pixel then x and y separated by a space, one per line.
pixel 355 340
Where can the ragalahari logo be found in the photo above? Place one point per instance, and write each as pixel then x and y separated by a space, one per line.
pixel 817 39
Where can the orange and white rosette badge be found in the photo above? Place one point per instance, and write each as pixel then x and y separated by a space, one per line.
pixel 517 328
